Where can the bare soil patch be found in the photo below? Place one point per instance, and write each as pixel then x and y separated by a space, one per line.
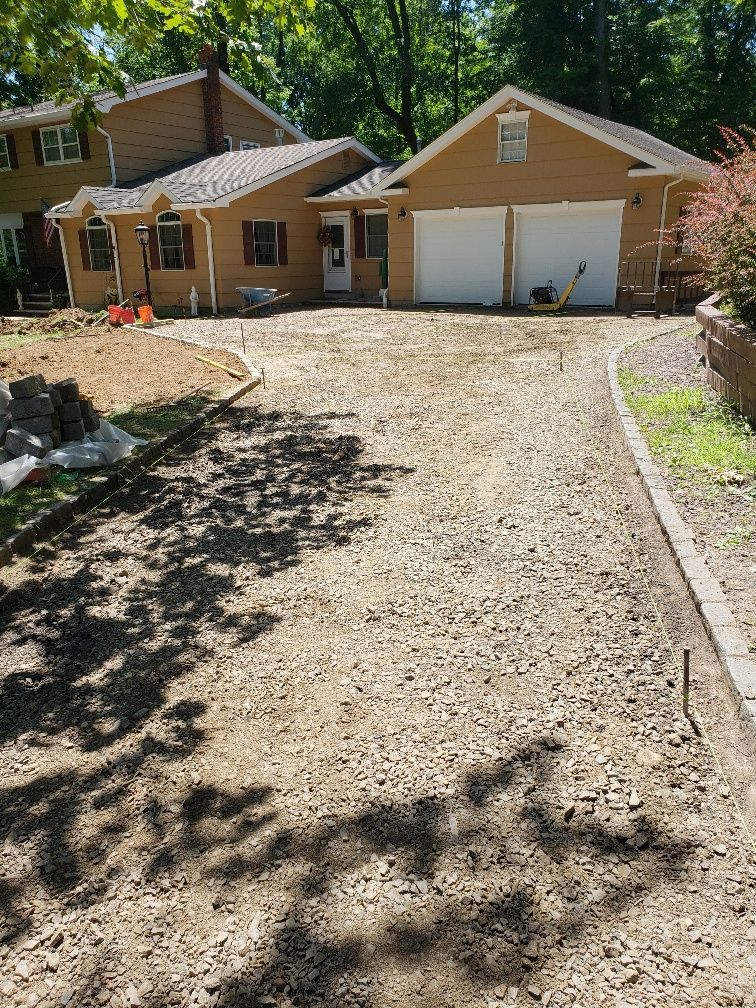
pixel 119 367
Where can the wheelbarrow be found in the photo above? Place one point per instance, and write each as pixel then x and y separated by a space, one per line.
pixel 259 298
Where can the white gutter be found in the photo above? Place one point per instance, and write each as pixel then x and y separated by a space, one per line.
pixel 116 257
pixel 662 219
pixel 63 250
pixel 210 260
pixel 111 157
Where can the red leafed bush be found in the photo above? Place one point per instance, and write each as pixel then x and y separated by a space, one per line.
pixel 720 226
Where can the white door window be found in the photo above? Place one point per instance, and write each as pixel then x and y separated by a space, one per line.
pixel 13 246
pixel 336 268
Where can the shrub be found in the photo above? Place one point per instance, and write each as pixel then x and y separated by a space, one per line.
pixel 720 226
pixel 11 278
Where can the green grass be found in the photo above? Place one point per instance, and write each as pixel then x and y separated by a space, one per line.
pixel 28 498
pixel 12 337
pixel 700 438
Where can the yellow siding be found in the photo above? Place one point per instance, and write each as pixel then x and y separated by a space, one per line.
pixel 281 201
pixel 366 280
pixel 242 122
pixel 167 285
pixel 562 164
pixel 22 189
pixel 156 131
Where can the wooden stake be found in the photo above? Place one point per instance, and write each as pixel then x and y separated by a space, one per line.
pixel 686 681
pixel 222 367
pixel 244 345
pixel 561 360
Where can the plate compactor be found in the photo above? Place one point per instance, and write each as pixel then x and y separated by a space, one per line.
pixel 547 299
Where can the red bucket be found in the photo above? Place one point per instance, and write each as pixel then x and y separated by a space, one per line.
pixel 127 316
pixel 114 314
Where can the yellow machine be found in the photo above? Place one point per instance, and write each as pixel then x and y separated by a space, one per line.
pixel 546 299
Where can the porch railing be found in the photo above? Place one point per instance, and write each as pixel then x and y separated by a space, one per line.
pixel 640 274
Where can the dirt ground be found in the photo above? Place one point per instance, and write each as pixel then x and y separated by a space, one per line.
pixel 119 367
pixel 722 518
pixel 362 700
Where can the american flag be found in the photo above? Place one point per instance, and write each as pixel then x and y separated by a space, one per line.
pixel 48 228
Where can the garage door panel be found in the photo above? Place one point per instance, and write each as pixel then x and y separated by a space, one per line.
pixel 459 259
pixel 551 246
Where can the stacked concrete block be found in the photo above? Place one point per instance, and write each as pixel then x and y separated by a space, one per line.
pixel 41 416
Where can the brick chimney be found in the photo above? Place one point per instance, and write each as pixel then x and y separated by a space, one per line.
pixel 211 99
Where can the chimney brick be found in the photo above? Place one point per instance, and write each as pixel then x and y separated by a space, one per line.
pixel 211 99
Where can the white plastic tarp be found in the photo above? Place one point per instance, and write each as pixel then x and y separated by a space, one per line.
pixel 103 447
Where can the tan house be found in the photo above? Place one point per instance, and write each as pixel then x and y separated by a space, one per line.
pixel 514 195
pixel 43 161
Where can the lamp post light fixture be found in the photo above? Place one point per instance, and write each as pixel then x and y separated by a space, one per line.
pixel 142 233
pixel 637 201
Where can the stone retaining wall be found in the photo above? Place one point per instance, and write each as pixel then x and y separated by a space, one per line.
pixel 730 351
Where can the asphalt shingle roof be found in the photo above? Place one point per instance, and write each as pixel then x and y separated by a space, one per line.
pixel 361 182
pixel 132 91
pixel 209 178
pixel 638 138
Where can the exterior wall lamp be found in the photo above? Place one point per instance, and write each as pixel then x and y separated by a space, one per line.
pixel 142 233
pixel 402 213
pixel 637 201
pixel 355 212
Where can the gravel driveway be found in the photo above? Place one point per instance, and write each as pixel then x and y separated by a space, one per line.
pixel 362 701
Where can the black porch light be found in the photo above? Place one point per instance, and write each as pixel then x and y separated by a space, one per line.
pixel 142 233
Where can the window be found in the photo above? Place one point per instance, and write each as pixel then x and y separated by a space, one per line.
pixel 60 143
pixel 266 247
pixel 682 245
pixel 248 145
pixel 13 246
pixel 99 245
pixel 376 235
pixel 4 154
pixel 170 241
pixel 228 142
pixel 513 137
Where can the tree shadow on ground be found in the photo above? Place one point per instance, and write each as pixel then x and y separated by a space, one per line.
pixel 136 599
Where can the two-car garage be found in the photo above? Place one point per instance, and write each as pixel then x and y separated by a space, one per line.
pixel 459 253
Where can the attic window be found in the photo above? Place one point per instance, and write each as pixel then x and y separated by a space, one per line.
pixel 248 145
pixel 513 136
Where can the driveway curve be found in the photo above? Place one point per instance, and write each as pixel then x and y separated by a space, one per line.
pixel 362 700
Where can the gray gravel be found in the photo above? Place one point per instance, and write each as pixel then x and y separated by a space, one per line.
pixel 360 701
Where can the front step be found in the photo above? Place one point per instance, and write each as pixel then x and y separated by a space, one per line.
pixel 31 312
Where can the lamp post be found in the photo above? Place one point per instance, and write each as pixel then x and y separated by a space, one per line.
pixel 142 233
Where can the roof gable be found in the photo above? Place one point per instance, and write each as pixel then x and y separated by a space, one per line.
pixel 660 156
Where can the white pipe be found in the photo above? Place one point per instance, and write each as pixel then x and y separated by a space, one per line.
pixel 69 284
pixel 111 156
pixel 210 260
pixel 662 219
pixel 116 257
pixel 514 257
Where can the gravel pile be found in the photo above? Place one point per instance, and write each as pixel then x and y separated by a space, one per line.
pixel 362 702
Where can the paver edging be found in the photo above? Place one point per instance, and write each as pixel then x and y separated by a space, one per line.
pixel 58 515
pixel 705 589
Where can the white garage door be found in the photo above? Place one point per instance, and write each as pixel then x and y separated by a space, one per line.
pixel 459 258
pixel 550 245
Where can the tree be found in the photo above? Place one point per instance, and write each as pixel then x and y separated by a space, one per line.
pixel 67 44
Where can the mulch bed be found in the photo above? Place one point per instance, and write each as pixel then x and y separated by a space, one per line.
pixel 711 513
pixel 120 367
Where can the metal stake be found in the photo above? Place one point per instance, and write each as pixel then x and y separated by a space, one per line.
pixel 686 681
pixel 244 345
pixel 561 360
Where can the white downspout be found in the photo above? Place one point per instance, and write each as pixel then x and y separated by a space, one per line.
pixel 111 156
pixel 116 257
pixel 384 292
pixel 514 257
pixel 210 260
pixel 662 219
pixel 59 229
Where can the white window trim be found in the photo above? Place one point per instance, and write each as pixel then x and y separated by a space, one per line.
pixel 266 220
pixel 171 223
pixel 375 213
pixel 249 145
pixel 56 164
pixel 229 141
pixel 4 140
pixel 514 115
pixel 14 237
pixel 99 227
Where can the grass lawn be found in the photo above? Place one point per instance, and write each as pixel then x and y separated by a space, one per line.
pixel 28 498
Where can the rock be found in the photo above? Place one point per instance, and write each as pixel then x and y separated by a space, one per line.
pixel 22 968
pixel 73 431
pixel 38 405
pixel 19 442
pixel 69 412
pixel 68 389
pixel 23 388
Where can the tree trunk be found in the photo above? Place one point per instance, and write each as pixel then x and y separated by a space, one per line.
pixel 455 11
pixel 601 35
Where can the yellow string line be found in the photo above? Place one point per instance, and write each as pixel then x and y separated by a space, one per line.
pixel 659 617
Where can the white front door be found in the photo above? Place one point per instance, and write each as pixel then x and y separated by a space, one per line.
pixel 337 271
